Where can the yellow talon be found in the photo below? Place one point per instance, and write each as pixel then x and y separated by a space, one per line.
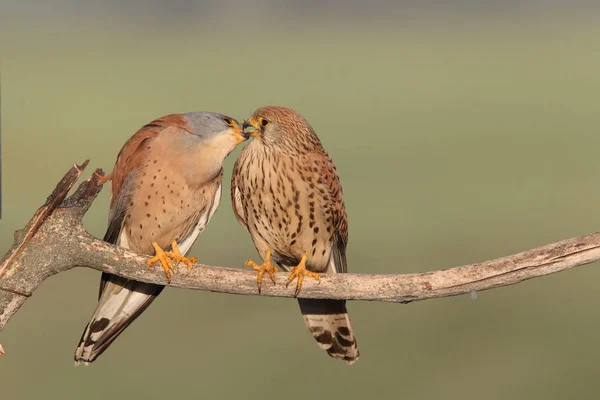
pixel 178 257
pixel 163 257
pixel 267 267
pixel 300 272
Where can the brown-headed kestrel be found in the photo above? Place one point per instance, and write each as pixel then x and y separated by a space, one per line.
pixel 287 194
pixel 166 185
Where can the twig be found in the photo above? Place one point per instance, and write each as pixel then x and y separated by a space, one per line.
pixel 55 241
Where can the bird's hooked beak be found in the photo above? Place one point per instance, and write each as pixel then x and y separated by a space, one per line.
pixel 239 134
pixel 252 124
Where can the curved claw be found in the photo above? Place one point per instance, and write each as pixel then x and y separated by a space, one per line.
pixel 266 267
pixel 176 256
pixel 300 272
pixel 165 259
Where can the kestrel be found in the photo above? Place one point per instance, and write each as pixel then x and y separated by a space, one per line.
pixel 166 185
pixel 286 193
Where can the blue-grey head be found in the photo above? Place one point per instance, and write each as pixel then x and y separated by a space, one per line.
pixel 210 124
pixel 219 132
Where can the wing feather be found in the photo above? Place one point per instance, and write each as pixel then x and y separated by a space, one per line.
pixel 236 194
pixel 339 219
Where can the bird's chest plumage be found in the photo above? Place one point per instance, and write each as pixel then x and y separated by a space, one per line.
pixel 165 206
pixel 286 212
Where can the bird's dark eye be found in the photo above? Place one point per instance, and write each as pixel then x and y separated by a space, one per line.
pixel 228 121
pixel 264 122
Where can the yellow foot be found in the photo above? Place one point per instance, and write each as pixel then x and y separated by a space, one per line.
pixel 267 267
pixel 300 272
pixel 165 259
pixel 178 257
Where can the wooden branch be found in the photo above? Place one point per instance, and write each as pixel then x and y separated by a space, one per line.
pixel 55 241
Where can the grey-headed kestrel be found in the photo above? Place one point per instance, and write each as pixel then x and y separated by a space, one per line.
pixel 166 185
pixel 286 193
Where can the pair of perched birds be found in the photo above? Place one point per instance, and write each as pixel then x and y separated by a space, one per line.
pixel 285 191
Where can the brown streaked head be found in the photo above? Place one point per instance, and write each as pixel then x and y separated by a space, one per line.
pixel 271 123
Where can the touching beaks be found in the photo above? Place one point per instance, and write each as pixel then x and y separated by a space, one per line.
pixel 239 134
pixel 251 123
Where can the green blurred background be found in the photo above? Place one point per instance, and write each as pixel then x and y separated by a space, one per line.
pixel 460 135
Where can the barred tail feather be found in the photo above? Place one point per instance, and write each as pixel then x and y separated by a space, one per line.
pixel 330 325
pixel 121 302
